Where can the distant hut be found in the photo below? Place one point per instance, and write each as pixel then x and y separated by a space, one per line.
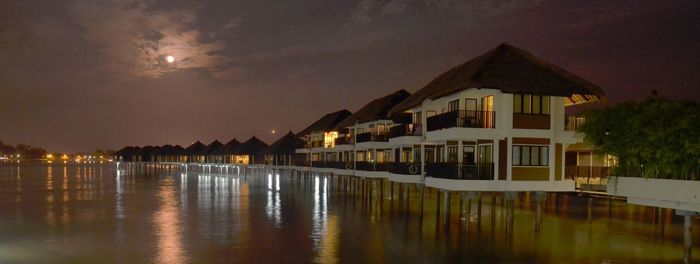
pixel 250 152
pixel 283 151
pixel 209 152
pixel 194 152
pixel 179 153
pixel 227 151
pixel 148 153
pixel 170 153
pixel 124 154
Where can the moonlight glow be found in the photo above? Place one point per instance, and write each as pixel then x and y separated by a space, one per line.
pixel 170 59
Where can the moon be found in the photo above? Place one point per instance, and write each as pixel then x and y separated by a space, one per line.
pixel 170 59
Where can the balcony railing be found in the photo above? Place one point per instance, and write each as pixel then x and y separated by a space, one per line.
pixel 459 171
pixel 342 141
pixel 314 144
pixel 301 163
pixel 462 118
pixel 369 136
pixel 344 165
pixel 405 168
pixel 371 166
pixel 405 130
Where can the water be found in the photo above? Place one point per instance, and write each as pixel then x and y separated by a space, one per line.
pixel 92 214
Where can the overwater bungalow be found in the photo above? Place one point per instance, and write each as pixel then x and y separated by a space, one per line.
pixel 250 152
pixel 496 123
pixel 194 152
pixel 170 153
pixel 283 151
pixel 149 153
pixel 364 144
pixel 127 153
pixel 209 152
pixel 227 151
pixel 320 137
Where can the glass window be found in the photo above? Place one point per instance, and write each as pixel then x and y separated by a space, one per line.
pixel 535 156
pixel 417 118
pixel 544 156
pixel 527 100
pixel 452 154
pixel 517 104
pixel 516 155
pixel 545 105
pixel 453 106
pixel 536 104
pixel 525 156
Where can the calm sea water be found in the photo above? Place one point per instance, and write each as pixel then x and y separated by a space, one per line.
pixel 93 214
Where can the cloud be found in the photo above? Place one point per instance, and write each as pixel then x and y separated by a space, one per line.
pixel 230 73
pixel 136 36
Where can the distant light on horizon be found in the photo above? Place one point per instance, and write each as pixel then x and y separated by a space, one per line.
pixel 170 59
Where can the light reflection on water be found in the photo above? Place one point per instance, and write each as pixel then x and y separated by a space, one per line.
pixel 96 214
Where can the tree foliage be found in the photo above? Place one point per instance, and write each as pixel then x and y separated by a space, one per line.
pixel 653 138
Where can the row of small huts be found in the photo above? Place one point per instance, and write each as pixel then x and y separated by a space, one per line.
pixel 252 151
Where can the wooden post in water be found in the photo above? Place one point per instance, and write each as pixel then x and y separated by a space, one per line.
pixel 687 234
pixel 446 209
pixel 422 197
pixel 509 201
pixel 539 200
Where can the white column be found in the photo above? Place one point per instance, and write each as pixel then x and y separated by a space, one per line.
pixel 495 156
pixel 509 158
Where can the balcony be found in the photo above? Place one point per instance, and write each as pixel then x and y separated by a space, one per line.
pixel 459 171
pixel 342 141
pixel 315 144
pixel 405 168
pixel 371 166
pixel 343 165
pixel 301 163
pixel 405 130
pixel 462 118
pixel 372 137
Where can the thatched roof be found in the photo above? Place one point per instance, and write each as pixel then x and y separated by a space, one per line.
pixel 512 70
pixel 170 150
pixel 212 148
pixel 124 151
pixel 326 123
pixel 377 109
pixel 195 149
pixel 252 147
pixel 229 148
pixel 285 145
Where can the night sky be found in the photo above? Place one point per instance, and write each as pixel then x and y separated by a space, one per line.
pixel 81 75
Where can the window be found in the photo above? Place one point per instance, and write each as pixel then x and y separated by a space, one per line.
pixel 487 103
pixel 524 155
pixel 530 104
pixel 453 106
pixel 452 154
pixel 417 118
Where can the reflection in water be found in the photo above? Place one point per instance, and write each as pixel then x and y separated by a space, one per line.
pixel 325 228
pixel 274 203
pixel 94 214
pixel 167 225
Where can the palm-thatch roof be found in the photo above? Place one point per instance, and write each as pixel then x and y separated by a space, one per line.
pixel 195 149
pixel 251 147
pixel 512 70
pixel 170 150
pixel 285 145
pixel 229 148
pixel 326 123
pixel 377 109
pixel 212 148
